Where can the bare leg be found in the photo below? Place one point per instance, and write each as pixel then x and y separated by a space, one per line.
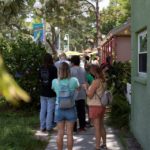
pixel 60 135
pixel 97 126
pixel 70 126
pixel 103 131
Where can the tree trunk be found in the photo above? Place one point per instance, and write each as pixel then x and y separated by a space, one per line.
pixel 52 46
pixel 98 33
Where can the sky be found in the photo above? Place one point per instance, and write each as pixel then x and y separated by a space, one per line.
pixel 104 4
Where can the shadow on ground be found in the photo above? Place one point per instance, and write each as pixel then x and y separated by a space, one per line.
pixel 86 141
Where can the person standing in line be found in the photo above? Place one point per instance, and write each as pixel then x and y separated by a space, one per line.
pixel 62 58
pixel 96 110
pixel 47 73
pixel 65 117
pixel 89 79
pixel 86 61
pixel 95 60
pixel 80 95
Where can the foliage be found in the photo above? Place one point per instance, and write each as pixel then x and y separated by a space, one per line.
pixel 120 111
pixel 17 130
pixel 69 16
pixel 76 18
pixel 22 58
pixel 119 75
pixel 12 15
pixel 79 22
pixel 9 88
pixel 9 10
pixel 117 13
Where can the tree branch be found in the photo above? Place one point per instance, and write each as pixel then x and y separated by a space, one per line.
pixel 52 46
pixel 20 29
pixel 88 2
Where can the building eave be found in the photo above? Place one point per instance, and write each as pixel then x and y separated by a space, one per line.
pixel 118 31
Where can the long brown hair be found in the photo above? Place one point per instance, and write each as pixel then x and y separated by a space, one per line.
pixel 97 72
pixel 64 71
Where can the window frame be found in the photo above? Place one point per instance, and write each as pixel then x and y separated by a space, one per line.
pixel 141 74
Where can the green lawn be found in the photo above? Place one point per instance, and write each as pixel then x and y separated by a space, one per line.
pixel 17 130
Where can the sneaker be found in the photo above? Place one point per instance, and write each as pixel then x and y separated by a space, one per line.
pixel 104 147
pixel 43 130
pixel 54 125
pixel 50 130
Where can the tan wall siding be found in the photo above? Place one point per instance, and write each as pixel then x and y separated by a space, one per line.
pixel 123 49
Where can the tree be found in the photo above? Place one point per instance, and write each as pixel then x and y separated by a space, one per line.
pixel 12 14
pixel 117 13
pixel 93 5
pixel 9 11
pixel 58 14
pixel 23 57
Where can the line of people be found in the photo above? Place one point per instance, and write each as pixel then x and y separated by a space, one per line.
pixel 87 85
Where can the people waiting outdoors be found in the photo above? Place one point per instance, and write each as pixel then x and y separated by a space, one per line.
pixel 107 69
pixel 89 79
pixel 86 61
pixel 47 73
pixel 62 58
pixel 96 110
pixel 89 76
pixel 80 95
pixel 65 112
pixel 95 60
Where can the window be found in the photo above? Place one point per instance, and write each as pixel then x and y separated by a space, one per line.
pixel 142 53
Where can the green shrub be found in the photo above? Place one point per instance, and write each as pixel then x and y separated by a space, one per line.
pixel 120 112
pixel 22 57
pixel 118 76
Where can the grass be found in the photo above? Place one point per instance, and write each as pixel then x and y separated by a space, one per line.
pixel 17 128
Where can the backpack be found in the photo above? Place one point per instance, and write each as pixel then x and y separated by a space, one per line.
pixel 106 98
pixel 65 96
pixel 44 73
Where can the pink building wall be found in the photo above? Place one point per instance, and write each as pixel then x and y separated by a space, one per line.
pixel 123 49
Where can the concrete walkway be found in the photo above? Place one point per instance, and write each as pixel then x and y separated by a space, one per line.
pixel 86 141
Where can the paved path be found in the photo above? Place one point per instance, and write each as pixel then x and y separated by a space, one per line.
pixel 86 141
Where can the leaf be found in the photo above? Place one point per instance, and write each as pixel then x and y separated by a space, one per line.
pixel 9 88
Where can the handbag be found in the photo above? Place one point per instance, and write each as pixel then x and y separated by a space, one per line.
pixel 106 98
